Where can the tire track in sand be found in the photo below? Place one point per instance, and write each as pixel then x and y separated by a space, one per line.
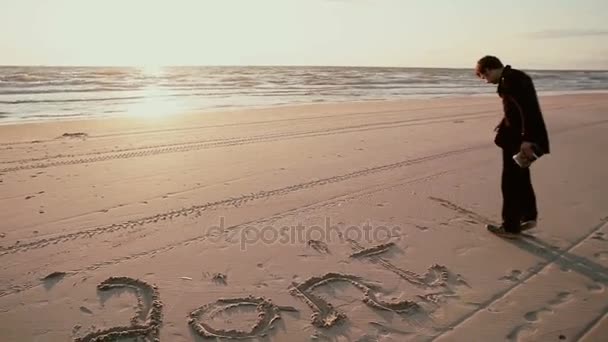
pixel 251 123
pixel 331 202
pixel 143 151
pixel 324 204
pixel 235 201
pixel 200 145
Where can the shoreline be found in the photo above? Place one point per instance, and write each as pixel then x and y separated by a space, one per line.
pixel 287 106
pixel 228 109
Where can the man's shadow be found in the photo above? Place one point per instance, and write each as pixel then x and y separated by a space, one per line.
pixel 538 247
pixel 562 258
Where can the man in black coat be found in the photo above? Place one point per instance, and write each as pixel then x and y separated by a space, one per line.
pixel 522 129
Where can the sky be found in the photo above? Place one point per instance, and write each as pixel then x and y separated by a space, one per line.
pixel 542 34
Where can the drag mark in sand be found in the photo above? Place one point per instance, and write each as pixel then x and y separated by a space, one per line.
pixel 461 210
pixel 268 313
pixel 233 202
pixel 148 317
pixel 325 315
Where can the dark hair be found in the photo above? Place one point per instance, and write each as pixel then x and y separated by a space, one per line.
pixel 487 62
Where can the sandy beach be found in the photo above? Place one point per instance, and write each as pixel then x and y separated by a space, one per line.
pixel 359 221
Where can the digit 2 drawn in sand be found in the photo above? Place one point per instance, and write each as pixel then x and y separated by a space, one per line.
pixel 148 318
pixel 146 322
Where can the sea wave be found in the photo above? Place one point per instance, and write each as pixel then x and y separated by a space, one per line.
pixel 38 92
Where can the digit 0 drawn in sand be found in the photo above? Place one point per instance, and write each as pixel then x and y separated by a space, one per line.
pixel 325 315
pixel 147 320
pixel 268 313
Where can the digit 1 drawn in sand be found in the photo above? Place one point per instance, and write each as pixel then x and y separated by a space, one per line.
pixel 325 315
pixel 268 313
pixel 147 320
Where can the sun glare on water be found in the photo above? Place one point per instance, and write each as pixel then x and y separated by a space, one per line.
pixel 156 101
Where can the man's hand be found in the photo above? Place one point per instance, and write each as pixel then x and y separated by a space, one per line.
pixel 526 149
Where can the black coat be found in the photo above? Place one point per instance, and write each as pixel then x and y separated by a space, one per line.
pixel 523 118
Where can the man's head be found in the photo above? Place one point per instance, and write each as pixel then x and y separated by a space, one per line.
pixel 489 68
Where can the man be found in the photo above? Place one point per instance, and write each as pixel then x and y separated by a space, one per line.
pixel 522 129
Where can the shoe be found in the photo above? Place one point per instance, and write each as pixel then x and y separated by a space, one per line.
pixel 500 230
pixel 526 225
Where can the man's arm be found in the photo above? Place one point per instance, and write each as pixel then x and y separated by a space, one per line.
pixel 530 113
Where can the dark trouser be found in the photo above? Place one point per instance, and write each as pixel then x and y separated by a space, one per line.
pixel 519 201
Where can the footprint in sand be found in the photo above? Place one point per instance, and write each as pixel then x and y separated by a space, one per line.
pixel 595 288
pixel 86 310
pixel 74 135
pixel 319 246
pixel 603 255
pixel 513 276
pixel 534 317
pixel 220 278
pixel 423 228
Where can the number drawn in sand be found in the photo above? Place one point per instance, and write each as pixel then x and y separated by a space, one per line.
pixel 436 275
pixel 268 313
pixel 325 315
pixel 147 320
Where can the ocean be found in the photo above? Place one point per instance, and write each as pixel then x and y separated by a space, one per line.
pixel 53 93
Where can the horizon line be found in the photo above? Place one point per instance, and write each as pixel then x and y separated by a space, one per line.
pixel 143 66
